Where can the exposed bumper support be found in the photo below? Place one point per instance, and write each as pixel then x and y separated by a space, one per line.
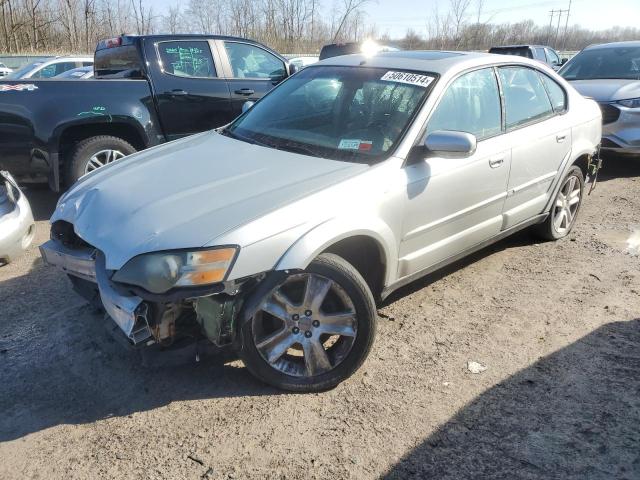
pixel 126 310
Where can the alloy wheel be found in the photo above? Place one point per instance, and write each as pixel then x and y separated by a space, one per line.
pixel 567 203
pixel 306 326
pixel 102 158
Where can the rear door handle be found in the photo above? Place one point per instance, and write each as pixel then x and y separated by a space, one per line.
pixel 496 162
pixel 560 138
pixel 245 91
pixel 177 92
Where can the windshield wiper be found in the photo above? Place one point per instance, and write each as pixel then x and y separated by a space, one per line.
pixel 296 149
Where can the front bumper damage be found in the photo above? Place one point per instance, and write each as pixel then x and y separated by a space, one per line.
pixel 206 321
pixel 126 310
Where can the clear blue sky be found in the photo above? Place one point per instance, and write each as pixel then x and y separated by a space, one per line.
pixel 395 16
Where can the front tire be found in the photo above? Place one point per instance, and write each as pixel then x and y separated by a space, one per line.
pixel 565 207
pixel 96 152
pixel 312 331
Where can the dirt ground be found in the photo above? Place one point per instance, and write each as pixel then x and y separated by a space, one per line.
pixel 556 324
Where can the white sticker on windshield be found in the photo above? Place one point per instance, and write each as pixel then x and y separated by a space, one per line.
pixel 355 144
pixel 410 78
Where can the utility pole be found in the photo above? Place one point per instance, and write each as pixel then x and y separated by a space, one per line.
pixel 566 26
pixel 551 14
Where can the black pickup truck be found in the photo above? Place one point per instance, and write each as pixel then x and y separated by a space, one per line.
pixel 147 90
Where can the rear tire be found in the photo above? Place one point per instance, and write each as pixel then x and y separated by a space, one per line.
pixel 309 346
pixel 95 152
pixel 565 207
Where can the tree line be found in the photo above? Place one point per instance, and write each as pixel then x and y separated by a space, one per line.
pixel 289 26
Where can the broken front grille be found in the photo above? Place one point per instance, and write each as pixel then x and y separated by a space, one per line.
pixel 610 113
pixel 63 232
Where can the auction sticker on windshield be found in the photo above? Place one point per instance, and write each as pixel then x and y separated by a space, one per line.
pixel 406 77
pixel 355 144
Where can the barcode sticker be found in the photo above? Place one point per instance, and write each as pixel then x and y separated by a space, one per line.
pixel 409 78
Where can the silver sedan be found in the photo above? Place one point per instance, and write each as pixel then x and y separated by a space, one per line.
pixel 610 74
pixel 16 220
pixel 277 234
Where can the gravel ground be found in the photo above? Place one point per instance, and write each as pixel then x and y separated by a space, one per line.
pixel 556 324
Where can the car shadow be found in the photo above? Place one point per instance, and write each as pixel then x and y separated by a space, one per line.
pixel 574 414
pixel 42 200
pixel 519 239
pixel 615 166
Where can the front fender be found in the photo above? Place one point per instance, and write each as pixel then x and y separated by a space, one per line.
pixel 314 242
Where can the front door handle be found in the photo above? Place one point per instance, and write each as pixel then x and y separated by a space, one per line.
pixel 496 162
pixel 245 91
pixel 177 92
pixel 560 138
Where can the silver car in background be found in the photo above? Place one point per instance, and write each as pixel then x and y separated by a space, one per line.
pixel 277 234
pixel 610 74
pixel 50 67
pixel 16 220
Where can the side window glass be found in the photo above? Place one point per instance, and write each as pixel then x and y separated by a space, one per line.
pixel 525 98
pixel 46 72
pixel 187 59
pixel 553 57
pixel 248 61
pixel 556 94
pixel 64 66
pixel 470 104
pixel 540 54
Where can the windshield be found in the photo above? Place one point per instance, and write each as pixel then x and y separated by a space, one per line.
pixel 344 113
pixel 22 71
pixel 609 62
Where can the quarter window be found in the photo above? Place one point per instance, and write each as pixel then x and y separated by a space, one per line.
pixel 187 59
pixel 524 95
pixel 248 61
pixel 471 104
pixel 556 94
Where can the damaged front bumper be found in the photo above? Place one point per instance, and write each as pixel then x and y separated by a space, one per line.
pixel 126 309
pixel 173 320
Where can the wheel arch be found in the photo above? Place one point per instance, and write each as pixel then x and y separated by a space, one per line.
pixel 71 135
pixel 355 243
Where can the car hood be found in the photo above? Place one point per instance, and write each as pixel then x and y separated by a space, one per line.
pixel 608 90
pixel 186 193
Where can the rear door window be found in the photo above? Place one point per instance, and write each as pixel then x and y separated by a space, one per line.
pixel 525 97
pixel 471 104
pixel 187 58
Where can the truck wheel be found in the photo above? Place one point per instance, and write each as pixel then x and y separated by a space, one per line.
pixel 312 331
pixel 95 152
pixel 565 207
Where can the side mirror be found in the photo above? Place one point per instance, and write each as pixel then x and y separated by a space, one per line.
pixel 293 68
pixel 563 61
pixel 449 142
pixel 247 105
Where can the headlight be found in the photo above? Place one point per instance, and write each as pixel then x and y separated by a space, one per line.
pixel 162 271
pixel 630 103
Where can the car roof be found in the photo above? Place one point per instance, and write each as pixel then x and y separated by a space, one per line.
pixel 520 46
pixel 630 43
pixel 434 61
